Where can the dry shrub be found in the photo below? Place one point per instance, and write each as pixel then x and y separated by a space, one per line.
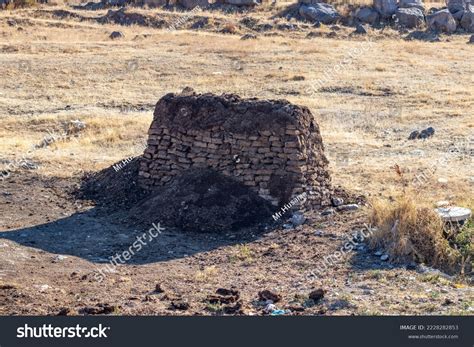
pixel 21 4
pixel 412 233
pixel 229 28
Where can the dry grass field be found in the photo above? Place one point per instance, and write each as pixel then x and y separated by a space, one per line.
pixel 59 69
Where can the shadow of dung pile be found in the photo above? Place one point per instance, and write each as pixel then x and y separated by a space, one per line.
pixel 196 200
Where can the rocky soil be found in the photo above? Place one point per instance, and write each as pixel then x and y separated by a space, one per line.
pixel 53 245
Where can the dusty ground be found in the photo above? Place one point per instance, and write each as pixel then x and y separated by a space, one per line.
pixel 56 69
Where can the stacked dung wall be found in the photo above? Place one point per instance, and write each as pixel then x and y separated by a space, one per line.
pixel 272 146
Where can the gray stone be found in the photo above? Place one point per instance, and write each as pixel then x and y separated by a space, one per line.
pixel 442 21
pixel 467 20
pixel 242 2
pixel 458 15
pixel 116 35
pixel 456 5
pixel 320 12
pixel 349 207
pixel 337 201
pixel 386 8
pixel 297 218
pixel 412 3
pixel 190 4
pixel 454 214
pixel 249 37
pixel 328 212
pixel 155 3
pixel 471 41
pixel 384 257
pixel 410 17
pixel 367 15
pixel 360 30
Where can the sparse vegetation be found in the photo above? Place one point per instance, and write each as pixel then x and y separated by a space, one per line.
pixel 410 232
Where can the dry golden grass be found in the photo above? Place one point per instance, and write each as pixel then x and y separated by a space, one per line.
pixel 409 231
pixel 57 63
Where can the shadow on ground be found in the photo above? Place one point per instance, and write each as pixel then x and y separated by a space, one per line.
pixel 90 236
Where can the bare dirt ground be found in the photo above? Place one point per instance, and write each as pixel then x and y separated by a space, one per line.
pixel 61 68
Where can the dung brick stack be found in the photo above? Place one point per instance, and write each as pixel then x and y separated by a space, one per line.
pixel 273 147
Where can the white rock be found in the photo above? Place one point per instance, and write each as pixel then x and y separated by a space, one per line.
pixel 454 214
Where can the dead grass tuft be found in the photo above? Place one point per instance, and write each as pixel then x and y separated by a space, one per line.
pixel 409 232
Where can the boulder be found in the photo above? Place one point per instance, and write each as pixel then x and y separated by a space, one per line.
pixel 386 8
pixel 411 3
pixel 410 17
pixel 320 12
pixel 456 5
pixel 458 15
pixel 242 2
pixel 190 4
pixel 471 40
pixel 116 35
pixel 367 15
pixel 467 20
pixel 155 3
pixel 442 21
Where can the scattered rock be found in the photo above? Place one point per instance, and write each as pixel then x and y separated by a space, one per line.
pixel 249 37
pixel 384 257
pixel 179 305
pixel 360 30
pixel 428 36
pixel 297 218
pixel 328 212
pixel 320 12
pixel 337 201
pixel 447 302
pixel 456 5
pixel 224 296
pixel 348 207
pixel 386 8
pixel 242 2
pixel 11 22
pixel 424 134
pixel 467 20
pixel 116 35
pixel 58 258
pixel 190 4
pixel 319 233
pixel 442 21
pixel 200 23
pixel 317 295
pixel 471 39
pixel 410 17
pixel 159 289
pixel 367 15
pixel 265 295
pixel 100 309
pixel 64 311
pixel 412 4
